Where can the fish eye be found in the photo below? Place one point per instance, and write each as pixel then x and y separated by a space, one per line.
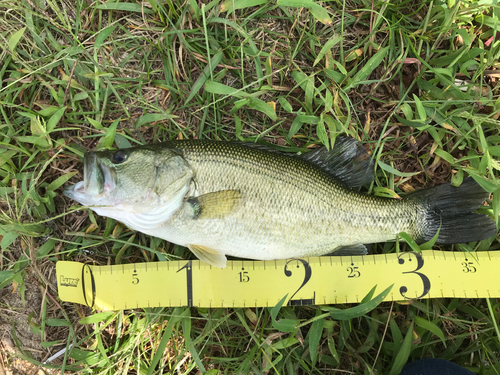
pixel 119 157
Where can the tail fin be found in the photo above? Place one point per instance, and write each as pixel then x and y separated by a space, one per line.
pixel 450 209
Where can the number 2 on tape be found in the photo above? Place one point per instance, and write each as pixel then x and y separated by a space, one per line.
pixel 307 277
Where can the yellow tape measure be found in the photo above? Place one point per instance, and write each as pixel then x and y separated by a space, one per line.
pixel 308 281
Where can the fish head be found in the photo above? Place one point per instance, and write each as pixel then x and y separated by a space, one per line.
pixel 134 179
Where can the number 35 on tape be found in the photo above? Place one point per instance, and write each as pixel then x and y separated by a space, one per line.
pixel 307 281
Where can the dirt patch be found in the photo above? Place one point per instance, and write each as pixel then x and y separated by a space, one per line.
pixel 21 307
pixel 17 336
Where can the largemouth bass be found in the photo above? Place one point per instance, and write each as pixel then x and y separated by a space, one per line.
pixel 248 201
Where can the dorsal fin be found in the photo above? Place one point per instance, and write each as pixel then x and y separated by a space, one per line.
pixel 269 147
pixel 347 161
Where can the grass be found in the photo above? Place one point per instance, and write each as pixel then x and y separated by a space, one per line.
pixel 416 82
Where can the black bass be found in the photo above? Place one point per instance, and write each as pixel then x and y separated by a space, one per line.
pixel 249 201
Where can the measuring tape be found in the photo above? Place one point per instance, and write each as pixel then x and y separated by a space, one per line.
pixel 307 281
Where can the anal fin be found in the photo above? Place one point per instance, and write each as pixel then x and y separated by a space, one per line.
pixel 211 256
pixel 358 249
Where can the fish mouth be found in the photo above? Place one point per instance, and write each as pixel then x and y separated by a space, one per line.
pixel 97 179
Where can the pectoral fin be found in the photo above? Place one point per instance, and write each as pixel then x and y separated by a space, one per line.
pixel 211 256
pixel 214 205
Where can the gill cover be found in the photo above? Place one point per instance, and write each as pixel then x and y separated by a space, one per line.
pixel 172 182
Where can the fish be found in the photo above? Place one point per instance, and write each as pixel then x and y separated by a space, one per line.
pixel 251 201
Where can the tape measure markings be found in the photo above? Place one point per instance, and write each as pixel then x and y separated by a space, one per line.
pixel 315 280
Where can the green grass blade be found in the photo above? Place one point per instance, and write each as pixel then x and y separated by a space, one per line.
pixel 14 40
pixel 101 37
pixel 361 309
pixel 314 334
pixel 403 352
pixel 431 327
pixel 125 7
pixel 231 5
pixel 327 47
pixel 368 68
pixel 177 315
pixel 206 74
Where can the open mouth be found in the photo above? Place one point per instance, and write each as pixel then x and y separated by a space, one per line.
pixel 93 176
pixel 97 178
